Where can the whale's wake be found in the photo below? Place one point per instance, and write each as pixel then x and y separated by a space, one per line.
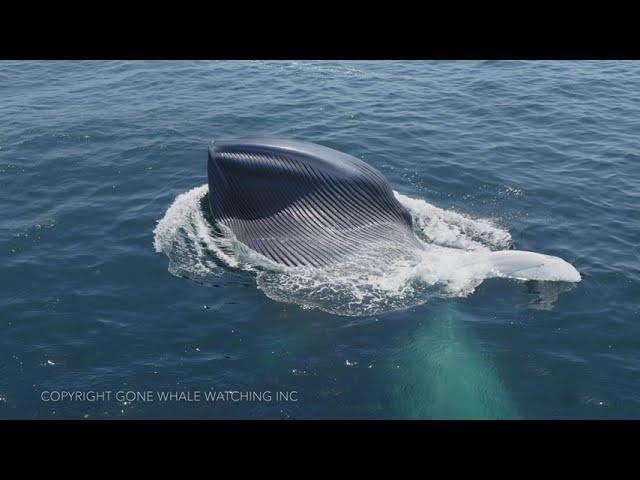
pixel 457 253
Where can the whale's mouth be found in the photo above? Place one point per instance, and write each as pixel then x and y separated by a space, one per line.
pixel 454 255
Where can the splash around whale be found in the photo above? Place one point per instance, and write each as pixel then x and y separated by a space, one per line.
pixel 302 204
pixel 323 230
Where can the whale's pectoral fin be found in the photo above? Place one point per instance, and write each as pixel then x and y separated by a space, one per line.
pixel 532 266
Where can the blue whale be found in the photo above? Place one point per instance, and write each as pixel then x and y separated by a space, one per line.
pixel 302 204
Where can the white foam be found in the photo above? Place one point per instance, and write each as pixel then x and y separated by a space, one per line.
pixel 187 238
pixel 451 229
pixel 456 255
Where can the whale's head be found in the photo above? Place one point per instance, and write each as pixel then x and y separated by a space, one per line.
pixel 300 203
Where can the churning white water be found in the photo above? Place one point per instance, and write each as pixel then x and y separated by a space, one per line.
pixel 457 254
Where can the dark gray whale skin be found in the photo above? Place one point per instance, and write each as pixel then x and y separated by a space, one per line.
pixel 302 204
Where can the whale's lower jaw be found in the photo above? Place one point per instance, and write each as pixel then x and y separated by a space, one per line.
pixel 300 204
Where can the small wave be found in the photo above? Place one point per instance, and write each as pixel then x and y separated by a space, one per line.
pixel 454 259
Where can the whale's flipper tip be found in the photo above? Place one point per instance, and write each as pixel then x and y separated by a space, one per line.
pixel 524 265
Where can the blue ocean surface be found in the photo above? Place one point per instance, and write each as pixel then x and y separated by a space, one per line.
pixel 120 299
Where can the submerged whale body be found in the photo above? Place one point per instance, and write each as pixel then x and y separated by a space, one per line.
pixel 302 204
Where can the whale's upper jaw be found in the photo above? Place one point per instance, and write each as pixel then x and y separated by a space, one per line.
pixel 264 144
pixel 300 203
pixel 272 143
pixel 325 158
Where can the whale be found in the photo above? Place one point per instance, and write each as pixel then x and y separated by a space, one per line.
pixel 301 204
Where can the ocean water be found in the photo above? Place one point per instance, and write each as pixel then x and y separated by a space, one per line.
pixel 121 298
